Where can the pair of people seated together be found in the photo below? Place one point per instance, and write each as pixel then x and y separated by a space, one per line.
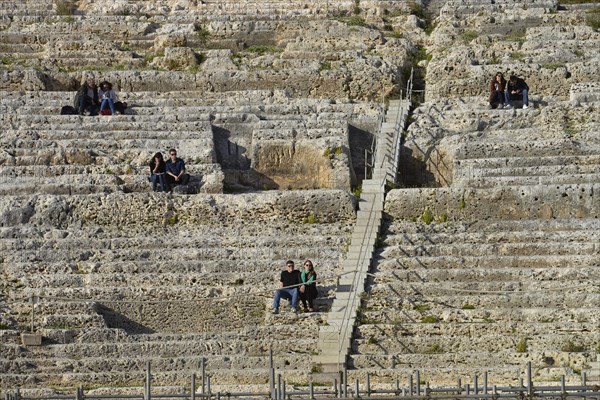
pixel 503 93
pixel 297 285
pixel 167 174
pixel 92 99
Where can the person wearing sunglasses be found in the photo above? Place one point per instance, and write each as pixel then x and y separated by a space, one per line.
pixel 175 167
pixel 308 290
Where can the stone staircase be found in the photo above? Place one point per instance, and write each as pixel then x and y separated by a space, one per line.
pixel 335 337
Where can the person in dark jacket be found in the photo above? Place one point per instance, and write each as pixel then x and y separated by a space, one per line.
pixel 87 97
pixel 158 169
pixel 176 174
pixel 497 89
pixel 288 287
pixel 517 89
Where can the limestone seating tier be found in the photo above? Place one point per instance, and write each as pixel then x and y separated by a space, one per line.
pixel 467 293
pixel 420 338
pixel 546 47
pixel 74 353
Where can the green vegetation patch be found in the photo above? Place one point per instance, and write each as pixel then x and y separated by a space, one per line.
pixel 592 18
pixel 468 36
pixel 262 50
pixel 64 7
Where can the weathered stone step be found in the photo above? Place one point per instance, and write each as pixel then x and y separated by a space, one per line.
pixel 450 262
pixel 373 342
pixel 86 365
pixel 534 227
pixel 327 268
pixel 550 179
pixel 516 166
pixel 502 235
pixel 527 166
pixel 511 203
pixel 462 274
pixel 491 249
pixel 134 132
pixel 475 359
pixel 479 328
pixel 50 123
pixel 179 254
pixel 540 147
pixel 517 309
pixel 83 352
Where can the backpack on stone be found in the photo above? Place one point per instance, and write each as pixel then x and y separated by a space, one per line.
pixel 68 110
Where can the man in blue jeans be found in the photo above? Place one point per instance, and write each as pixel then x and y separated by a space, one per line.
pixel 175 168
pixel 517 89
pixel 288 287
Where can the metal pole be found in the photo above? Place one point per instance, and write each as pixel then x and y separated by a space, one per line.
pixel 208 384
pixel 271 372
pixel 468 389
pixel 485 382
pixel 345 382
pixel 529 380
pixel 418 382
pixel 148 382
pixel 311 390
pixel 563 389
pixel 335 387
pixel 368 385
pixel 410 385
pixel 583 378
pixel 356 388
pixel 203 369
pixel 283 390
pixel 278 387
pixel 475 382
pixel 193 394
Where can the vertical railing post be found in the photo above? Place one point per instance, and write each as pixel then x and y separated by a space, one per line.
pixel 345 375
pixel 278 387
pixel 271 373
pixel 418 382
pixel 475 384
pixel 410 385
pixel 485 382
pixel 193 392
pixel 368 385
pixel 311 390
pixel 335 387
pixel 283 387
pixel 529 381
pixel 203 371
pixel 148 391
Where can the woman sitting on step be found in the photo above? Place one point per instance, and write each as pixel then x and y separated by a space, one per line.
pixel 108 97
pixel 308 290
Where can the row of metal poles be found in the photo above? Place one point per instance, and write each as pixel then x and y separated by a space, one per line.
pixel 342 390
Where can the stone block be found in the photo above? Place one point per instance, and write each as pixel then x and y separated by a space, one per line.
pixel 31 339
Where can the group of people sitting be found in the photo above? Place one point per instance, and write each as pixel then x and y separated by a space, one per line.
pixel 503 93
pixel 167 174
pixel 92 99
pixel 296 285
